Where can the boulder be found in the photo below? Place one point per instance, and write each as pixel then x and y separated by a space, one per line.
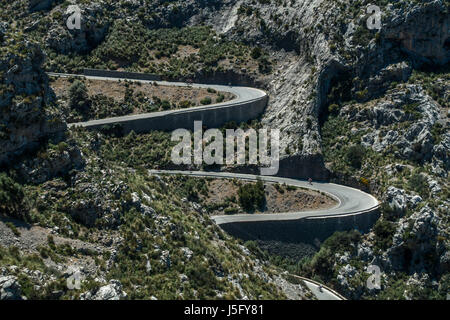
pixel 112 291
pixel 10 288
pixel 399 201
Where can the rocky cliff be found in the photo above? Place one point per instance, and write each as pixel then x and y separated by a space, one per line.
pixel 24 94
pixel 29 119
pixel 324 47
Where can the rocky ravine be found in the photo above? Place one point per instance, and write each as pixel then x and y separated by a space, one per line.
pixel 320 47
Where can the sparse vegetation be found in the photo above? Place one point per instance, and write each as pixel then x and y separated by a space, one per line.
pixel 11 198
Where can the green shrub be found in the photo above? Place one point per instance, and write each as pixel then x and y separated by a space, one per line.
pixel 220 98
pixel 11 197
pixel 185 104
pixel 418 183
pixel 342 241
pixel 256 53
pixel 437 131
pixel 231 210
pixel 13 228
pixel 62 146
pixel 355 155
pixel 279 188
pixel 412 109
pixel 333 108
pixel 165 104
pixel 252 196
pixel 78 96
pixel 206 101
pixel 384 232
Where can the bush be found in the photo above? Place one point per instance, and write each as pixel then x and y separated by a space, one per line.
pixel 63 146
pixel 165 104
pixel 364 181
pixel 185 104
pixel 13 229
pixel 206 100
pixel 78 96
pixel 256 53
pixel 355 155
pixel 333 109
pixel 384 232
pixel 220 98
pixel 342 241
pixel 252 196
pixel 231 210
pixel 418 183
pixel 11 197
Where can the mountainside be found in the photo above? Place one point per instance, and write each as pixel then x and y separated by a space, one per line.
pixel 364 108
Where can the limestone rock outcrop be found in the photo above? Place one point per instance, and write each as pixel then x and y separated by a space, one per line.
pixel 10 288
pixel 24 118
pixel 111 291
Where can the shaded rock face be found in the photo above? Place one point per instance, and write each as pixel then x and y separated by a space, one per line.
pixel 3 29
pixel 96 19
pixel 414 243
pixel 93 30
pixel 304 167
pixel 9 288
pixel 27 118
pixel 38 5
pixel 23 118
pixel 415 247
pixel 99 203
pixel 39 170
pixel 444 263
pixel 441 157
pixel 379 83
pixel 423 31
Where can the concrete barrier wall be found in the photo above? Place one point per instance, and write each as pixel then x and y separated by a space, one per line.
pixel 307 230
pixel 121 74
pixel 213 117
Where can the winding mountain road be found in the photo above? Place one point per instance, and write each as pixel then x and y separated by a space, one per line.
pixel 350 201
pixel 242 95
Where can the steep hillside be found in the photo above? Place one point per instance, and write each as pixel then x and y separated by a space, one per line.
pixel 366 108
